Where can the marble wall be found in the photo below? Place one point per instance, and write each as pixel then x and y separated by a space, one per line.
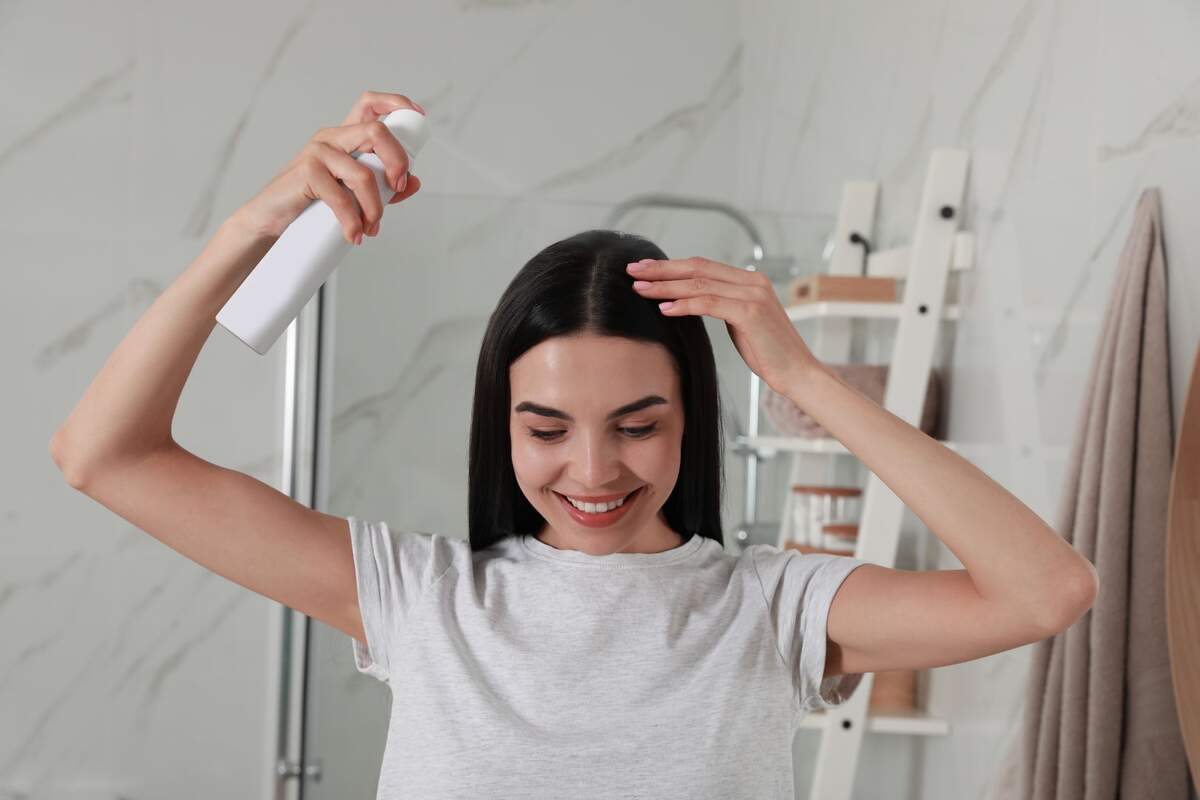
pixel 129 130
pixel 1069 110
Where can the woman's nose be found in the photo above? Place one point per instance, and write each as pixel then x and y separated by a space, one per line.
pixel 595 462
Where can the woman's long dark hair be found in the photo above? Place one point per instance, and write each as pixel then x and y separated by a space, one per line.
pixel 580 286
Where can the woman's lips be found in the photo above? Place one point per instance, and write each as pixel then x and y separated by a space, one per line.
pixel 600 520
pixel 604 498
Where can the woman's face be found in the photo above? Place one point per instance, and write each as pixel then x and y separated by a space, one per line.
pixel 597 416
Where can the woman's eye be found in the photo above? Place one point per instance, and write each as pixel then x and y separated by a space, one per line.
pixel 638 433
pixel 634 433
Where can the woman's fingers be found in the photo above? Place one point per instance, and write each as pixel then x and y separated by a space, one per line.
pixel 692 277
pixel 372 105
pixel 324 166
pixel 362 131
pixel 364 116
pixel 357 177
pixel 696 287
pixel 371 137
pixel 327 158
pixel 414 183
pixel 757 323
pixel 696 267
pixel 732 311
pixel 728 300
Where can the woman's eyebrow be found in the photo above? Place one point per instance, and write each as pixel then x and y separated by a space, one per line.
pixel 628 408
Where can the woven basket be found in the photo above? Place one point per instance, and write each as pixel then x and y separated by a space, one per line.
pixel 869 379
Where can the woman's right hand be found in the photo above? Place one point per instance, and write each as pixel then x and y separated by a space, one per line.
pixel 324 160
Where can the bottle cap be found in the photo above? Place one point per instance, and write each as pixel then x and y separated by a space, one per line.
pixel 410 127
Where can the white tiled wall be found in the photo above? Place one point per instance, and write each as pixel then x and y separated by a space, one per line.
pixel 129 130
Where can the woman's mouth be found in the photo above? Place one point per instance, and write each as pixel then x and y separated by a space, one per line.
pixel 600 519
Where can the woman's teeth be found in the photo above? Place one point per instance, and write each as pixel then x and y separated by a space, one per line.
pixel 598 508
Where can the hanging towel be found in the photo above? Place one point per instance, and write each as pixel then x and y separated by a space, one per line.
pixel 1099 712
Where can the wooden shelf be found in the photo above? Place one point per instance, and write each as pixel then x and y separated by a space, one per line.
pixel 830 308
pixel 914 723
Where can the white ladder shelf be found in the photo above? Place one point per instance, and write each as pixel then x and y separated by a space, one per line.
pixel 937 248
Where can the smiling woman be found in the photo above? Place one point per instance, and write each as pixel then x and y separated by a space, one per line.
pixel 593 622
pixel 585 389
pixel 593 617
pixel 604 451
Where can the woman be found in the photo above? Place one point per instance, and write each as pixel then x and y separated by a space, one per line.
pixel 566 649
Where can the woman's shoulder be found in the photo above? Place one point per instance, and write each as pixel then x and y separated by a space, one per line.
pixel 774 564
pixel 410 554
pixel 414 546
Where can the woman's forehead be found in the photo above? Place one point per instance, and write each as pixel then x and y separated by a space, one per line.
pixel 592 373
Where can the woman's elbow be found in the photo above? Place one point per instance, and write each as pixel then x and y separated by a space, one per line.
pixel 1079 595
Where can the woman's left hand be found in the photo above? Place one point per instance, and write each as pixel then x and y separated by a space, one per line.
pixel 759 326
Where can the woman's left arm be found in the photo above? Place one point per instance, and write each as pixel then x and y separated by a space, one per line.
pixel 1019 567
pixel 1022 582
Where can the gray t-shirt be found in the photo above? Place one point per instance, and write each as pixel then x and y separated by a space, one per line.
pixel 524 671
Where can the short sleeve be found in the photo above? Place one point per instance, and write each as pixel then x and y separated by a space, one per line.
pixel 392 571
pixel 798 589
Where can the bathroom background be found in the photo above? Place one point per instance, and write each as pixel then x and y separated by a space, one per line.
pixel 129 130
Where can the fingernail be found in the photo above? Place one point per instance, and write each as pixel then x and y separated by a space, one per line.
pixel 403 182
pixel 640 284
pixel 635 267
pixel 417 106
pixel 358 239
pixel 666 305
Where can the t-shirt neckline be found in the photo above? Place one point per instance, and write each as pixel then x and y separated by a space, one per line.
pixel 539 548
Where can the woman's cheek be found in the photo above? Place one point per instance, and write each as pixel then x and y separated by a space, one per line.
pixel 531 462
pixel 667 456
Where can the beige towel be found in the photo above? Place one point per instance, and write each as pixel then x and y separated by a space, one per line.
pixel 1099 716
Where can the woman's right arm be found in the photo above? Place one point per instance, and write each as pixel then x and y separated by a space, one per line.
pixel 116 446
pixel 128 408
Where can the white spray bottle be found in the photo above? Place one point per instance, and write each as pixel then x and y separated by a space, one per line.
pixel 305 255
